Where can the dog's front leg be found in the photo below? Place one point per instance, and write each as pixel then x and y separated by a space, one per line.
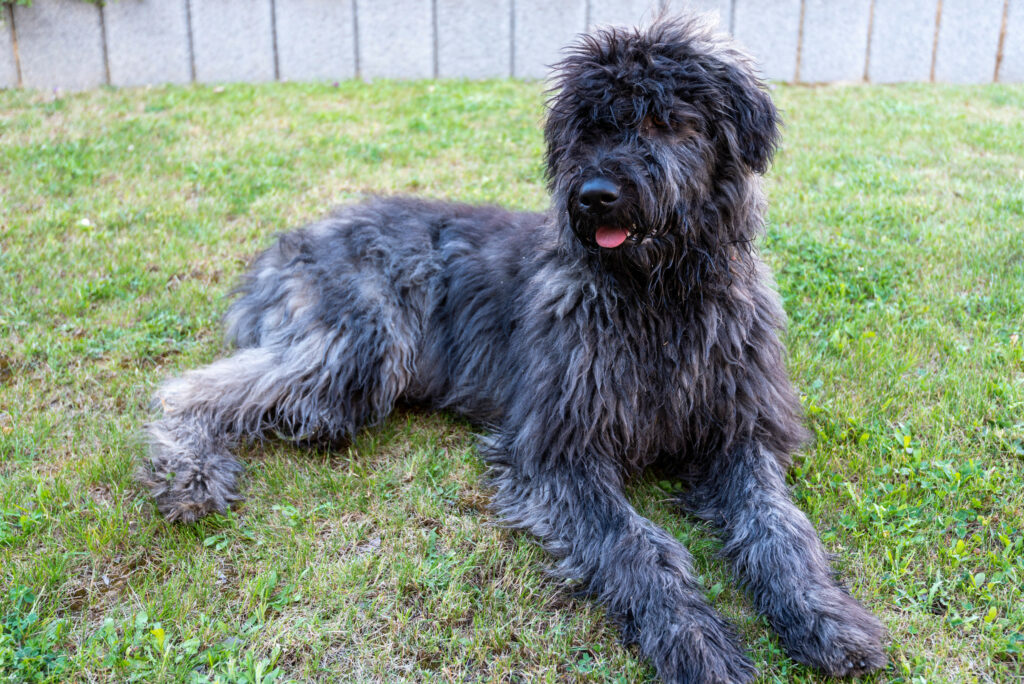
pixel 638 571
pixel 776 553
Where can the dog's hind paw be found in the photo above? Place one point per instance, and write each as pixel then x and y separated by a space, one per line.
pixel 188 476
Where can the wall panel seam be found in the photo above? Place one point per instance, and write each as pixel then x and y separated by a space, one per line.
pixel 14 46
pixel 191 42
pixel 103 43
pixel 1000 46
pixel 435 46
pixel 867 49
pixel 512 38
pixel 355 38
pixel 800 42
pixel 273 39
pixel 935 39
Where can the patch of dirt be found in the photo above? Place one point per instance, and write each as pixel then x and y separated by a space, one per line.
pixel 472 501
pixel 94 587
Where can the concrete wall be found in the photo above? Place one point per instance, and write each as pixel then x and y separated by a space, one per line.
pixel 72 44
pixel 902 40
pixel 60 44
pixel 8 69
pixel 835 40
pixel 771 31
pixel 1011 66
pixel 968 43
pixel 316 39
pixel 148 42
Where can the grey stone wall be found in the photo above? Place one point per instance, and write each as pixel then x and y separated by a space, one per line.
pixel 316 39
pixel 8 67
pixel 1011 67
pixel 147 42
pixel 835 40
pixel 474 39
pixel 60 44
pixel 721 10
pixel 396 38
pixel 73 44
pixel 902 39
pixel 968 43
pixel 621 12
pixel 232 40
pixel 770 29
pixel 541 28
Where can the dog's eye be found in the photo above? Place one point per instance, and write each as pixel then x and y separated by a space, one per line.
pixel 652 124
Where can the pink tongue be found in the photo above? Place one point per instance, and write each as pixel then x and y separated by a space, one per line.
pixel 609 236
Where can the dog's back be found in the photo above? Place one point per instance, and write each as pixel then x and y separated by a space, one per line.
pixel 416 297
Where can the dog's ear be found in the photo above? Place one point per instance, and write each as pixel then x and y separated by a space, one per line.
pixel 754 131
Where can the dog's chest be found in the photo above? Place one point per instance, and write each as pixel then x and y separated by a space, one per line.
pixel 658 376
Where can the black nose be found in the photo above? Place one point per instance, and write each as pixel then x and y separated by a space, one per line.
pixel 598 194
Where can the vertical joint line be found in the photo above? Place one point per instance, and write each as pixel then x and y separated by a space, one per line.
pixel 935 40
pixel 9 9
pixel 103 41
pixel 433 21
pixel 871 30
pixel 512 38
pixel 586 16
pixel 1002 41
pixel 800 41
pixel 191 42
pixel 355 38
pixel 273 39
pixel 732 17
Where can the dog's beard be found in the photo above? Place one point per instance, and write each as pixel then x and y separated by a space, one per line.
pixel 606 232
pixel 614 231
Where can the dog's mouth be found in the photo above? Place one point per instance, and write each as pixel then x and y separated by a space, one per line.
pixel 611 237
pixel 606 221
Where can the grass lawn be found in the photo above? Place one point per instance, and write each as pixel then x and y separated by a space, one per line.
pixel 897 237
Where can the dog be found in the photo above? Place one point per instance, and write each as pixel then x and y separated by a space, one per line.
pixel 632 325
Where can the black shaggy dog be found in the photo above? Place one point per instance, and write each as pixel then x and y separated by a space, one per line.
pixel 631 325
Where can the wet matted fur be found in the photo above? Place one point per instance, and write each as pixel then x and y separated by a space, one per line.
pixel 632 324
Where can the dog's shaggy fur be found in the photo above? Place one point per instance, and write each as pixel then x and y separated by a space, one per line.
pixel 631 325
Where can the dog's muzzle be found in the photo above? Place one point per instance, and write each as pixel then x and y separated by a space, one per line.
pixel 598 200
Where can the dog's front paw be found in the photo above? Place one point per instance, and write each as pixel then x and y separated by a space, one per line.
pixel 701 649
pixel 840 638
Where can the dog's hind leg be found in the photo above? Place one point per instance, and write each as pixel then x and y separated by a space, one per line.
pixel 639 572
pixel 325 384
pixel 776 554
pixel 328 330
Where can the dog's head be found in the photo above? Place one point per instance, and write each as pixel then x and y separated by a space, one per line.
pixel 648 128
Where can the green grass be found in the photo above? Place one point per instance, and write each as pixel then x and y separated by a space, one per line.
pixel 897 237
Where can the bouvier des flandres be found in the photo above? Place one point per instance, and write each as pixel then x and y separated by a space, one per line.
pixel 631 325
